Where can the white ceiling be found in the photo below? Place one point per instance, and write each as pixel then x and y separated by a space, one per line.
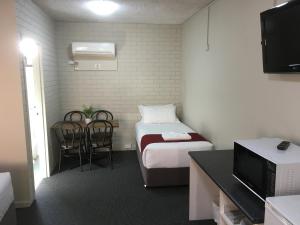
pixel 130 11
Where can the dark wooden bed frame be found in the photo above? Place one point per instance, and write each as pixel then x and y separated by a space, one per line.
pixel 159 177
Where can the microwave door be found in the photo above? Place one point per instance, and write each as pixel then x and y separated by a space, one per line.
pixel 250 168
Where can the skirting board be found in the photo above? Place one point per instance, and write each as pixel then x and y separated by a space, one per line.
pixel 23 204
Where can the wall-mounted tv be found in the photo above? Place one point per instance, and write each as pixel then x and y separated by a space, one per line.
pixel 280 29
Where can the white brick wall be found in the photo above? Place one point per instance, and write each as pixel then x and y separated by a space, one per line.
pixel 149 71
pixel 33 22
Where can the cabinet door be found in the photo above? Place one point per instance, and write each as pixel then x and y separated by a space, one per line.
pixel 272 218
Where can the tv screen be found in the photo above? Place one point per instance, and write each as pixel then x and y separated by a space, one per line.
pixel 280 28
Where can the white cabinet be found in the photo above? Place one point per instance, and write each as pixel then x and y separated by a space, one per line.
pixel 273 218
pixel 283 210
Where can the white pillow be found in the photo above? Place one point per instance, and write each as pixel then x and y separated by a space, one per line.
pixel 158 113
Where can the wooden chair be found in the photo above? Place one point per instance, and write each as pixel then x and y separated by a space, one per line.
pixel 102 115
pixel 70 139
pixel 100 134
pixel 75 116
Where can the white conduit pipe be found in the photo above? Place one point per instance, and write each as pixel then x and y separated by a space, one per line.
pixel 207 28
pixel 208 25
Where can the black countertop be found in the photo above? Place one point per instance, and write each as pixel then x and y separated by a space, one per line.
pixel 218 165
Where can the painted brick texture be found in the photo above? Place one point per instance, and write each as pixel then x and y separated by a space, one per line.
pixel 149 71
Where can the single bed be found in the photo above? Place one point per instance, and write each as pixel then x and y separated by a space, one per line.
pixel 7 208
pixel 166 163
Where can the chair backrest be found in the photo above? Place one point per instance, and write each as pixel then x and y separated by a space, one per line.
pixel 100 132
pixel 102 115
pixel 75 116
pixel 68 134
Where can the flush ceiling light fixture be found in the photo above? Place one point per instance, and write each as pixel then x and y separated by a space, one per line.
pixel 102 7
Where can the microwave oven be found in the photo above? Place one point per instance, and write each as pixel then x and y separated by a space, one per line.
pixel 264 169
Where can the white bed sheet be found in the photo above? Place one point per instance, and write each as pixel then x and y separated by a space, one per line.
pixel 167 155
pixel 6 193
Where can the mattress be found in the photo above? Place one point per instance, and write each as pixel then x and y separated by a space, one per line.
pixel 167 155
pixel 6 193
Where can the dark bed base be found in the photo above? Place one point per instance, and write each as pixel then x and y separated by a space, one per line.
pixel 10 216
pixel 159 177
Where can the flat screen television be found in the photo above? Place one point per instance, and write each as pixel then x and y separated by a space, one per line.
pixel 280 30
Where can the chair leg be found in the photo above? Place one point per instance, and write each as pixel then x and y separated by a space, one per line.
pixel 85 146
pixel 60 158
pixel 80 162
pixel 110 159
pixel 91 153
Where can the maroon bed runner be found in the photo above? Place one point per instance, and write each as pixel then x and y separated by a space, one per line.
pixel 157 138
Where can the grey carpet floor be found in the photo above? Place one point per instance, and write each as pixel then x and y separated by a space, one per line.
pixel 106 197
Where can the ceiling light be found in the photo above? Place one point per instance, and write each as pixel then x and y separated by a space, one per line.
pixel 102 8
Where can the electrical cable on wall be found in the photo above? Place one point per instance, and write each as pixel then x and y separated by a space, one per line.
pixel 208 25
pixel 207 28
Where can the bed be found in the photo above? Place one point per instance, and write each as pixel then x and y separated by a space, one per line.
pixel 166 163
pixel 7 208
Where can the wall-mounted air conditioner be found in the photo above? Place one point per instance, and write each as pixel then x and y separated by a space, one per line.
pixel 94 55
pixel 96 49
